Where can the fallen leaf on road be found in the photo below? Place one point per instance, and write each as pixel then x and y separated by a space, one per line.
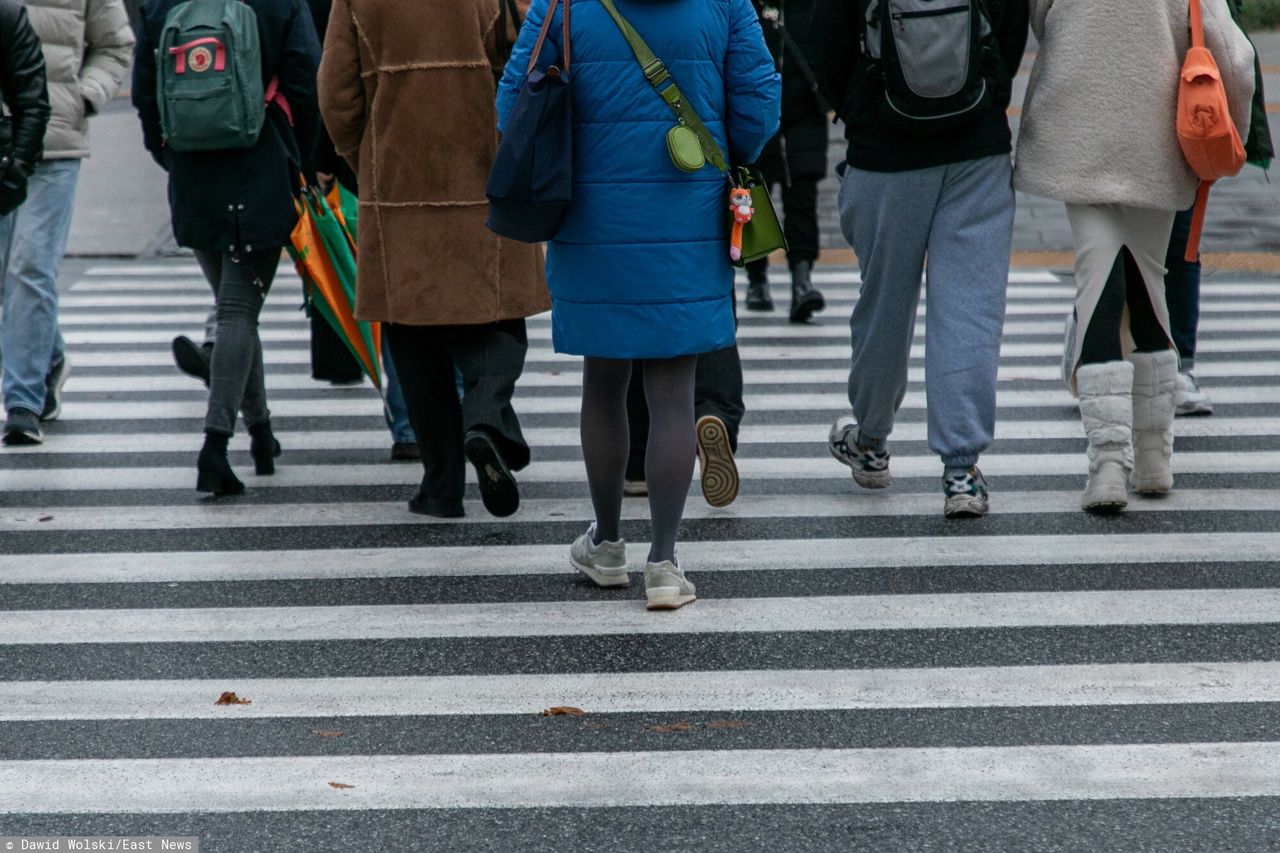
pixel 728 724
pixel 341 786
pixel 327 733
pixel 229 698
pixel 46 518
pixel 563 711
pixel 668 729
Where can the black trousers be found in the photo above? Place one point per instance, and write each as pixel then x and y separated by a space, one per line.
pixel 799 222
pixel 490 358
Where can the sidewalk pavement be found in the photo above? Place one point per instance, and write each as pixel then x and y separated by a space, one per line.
pixel 122 210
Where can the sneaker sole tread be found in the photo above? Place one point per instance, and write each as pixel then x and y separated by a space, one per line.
pixel 718 471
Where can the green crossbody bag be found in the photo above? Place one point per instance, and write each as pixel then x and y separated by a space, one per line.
pixel 690 146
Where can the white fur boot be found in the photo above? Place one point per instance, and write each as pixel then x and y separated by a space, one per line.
pixel 1106 407
pixel 1155 388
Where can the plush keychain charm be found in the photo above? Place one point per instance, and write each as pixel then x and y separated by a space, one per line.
pixel 740 204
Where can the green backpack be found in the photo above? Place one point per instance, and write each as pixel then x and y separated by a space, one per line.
pixel 209 76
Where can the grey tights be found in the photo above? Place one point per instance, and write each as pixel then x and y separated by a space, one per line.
pixel 668 387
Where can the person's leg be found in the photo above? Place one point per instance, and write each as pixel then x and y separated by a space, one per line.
pixel 1182 291
pixel 886 217
pixel 668 385
pixel 605 440
pixel 1102 379
pixel 396 412
pixel 800 206
pixel 638 427
pixel 1155 378
pixel 491 359
pixel 968 277
pixel 236 376
pixel 426 372
pixel 29 335
pixel 718 407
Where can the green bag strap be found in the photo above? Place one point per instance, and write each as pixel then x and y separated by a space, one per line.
pixel 658 76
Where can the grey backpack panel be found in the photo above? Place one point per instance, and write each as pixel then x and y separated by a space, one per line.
pixel 927 51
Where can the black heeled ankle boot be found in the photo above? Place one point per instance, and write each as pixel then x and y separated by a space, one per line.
pixel 264 449
pixel 758 298
pixel 214 474
pixel 806 300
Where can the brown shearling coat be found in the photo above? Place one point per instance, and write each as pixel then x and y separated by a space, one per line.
pixel 407 93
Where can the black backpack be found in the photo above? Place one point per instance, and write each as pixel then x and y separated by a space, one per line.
pixel 933 58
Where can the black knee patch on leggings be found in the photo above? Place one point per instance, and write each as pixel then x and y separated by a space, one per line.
pixel 1125 286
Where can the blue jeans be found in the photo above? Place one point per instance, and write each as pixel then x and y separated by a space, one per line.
pixel 1182 292
pixel 396 412
pixel 33 240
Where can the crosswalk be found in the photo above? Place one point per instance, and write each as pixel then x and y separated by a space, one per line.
pixel 859 673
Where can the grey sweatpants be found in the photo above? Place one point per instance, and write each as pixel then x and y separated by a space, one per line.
pixel 959 217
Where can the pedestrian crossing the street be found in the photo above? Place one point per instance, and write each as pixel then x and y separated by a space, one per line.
pixel 858 672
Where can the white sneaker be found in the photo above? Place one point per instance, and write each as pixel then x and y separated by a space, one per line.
pixel 605 564
pixel 1191 397
pixel 666 587
pixel 870 467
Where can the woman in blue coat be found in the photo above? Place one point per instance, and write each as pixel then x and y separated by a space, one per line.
pixel 640 269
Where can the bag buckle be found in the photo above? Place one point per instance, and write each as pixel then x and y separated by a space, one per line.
pixel 656 73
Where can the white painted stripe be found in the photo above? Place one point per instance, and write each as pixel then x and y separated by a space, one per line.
pixel 193 270
pixel 677 778
pixel 357 515
pixel 590 618
pixel 162 270
pixel 539 332
pixel 173 381
pixel 751 435
pixel 904 467
pixel 828 400
pixel 197 295
pixel 158 355
pixel 671 692
pixel 709 556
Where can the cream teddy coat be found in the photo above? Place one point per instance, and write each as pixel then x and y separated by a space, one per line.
pixel 1098 123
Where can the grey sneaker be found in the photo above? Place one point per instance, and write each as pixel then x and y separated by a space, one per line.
pixel 605 564
pixel 666 587
pixel 53 389
pixel 870 467
pixel 1191 397
pixel 22 427
pixel 966 495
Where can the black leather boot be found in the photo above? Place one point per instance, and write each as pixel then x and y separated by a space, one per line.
pixel 758 298
pixel 213 471
pixel 264 449
pixel 805 299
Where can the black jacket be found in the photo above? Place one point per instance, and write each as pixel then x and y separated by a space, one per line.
pixel 239 200
pixel 22 85
pixel 324 156
pixel 799 151
pixel 879 147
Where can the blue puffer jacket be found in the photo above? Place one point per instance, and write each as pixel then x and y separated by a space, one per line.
pixel 640 268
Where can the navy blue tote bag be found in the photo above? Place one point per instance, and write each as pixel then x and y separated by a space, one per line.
pixel 531 184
